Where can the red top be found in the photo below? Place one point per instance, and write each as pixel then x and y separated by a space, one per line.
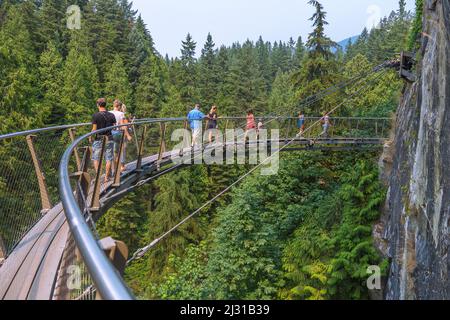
pixel 251 122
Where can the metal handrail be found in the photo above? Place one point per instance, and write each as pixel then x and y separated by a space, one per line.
pixel 76 125
pixel 106 279
pixel 34 131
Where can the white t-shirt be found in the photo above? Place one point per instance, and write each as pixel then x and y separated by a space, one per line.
pixel 119 116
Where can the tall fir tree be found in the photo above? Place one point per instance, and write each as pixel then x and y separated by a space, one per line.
pixel 152 88
pixel 81 87
pixel 208 80
pixel 117 85
pixel 319 69
pixel 141 46
pixel 263 54
pixel 187 77
pixel 50 80
pixel 244 83
pixel 17 73
pixel 299 54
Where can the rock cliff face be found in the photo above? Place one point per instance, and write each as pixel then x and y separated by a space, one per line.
pixel 417 217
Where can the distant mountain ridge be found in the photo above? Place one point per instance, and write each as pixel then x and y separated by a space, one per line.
pixel 344 43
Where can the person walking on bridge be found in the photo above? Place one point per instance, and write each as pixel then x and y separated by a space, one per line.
pixel 195 117
pixel 119 132
pixel 325 120
pixel 102 120
pixel 301 124
pixel 212 122
pixel 251 124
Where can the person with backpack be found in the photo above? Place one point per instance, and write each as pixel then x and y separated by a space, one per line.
pixel 195 118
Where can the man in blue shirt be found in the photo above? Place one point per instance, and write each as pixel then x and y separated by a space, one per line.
pixel 195 118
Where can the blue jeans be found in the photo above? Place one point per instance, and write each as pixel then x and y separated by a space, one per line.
pixel 117 138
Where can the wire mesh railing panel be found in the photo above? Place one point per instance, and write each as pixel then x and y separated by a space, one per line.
pixel 28 181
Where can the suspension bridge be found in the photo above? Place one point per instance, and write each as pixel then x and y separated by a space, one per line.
pixel 51 196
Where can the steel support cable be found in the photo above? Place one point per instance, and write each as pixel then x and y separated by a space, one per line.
pixel 328 91
pixel 142 251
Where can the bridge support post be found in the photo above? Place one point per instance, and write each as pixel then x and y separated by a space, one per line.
pixel 84 180
pixel 288 131
pixel 141 150
pixel 77 156
pixel 95 202
pixel 117 252
pixel 186 141
pixel 2 251
pixel 162 143
pixel 45 198
pixel 117 170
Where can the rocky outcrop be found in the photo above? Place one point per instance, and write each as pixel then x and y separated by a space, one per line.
pixel 418 202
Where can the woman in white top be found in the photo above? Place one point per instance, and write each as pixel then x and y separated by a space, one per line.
pixel 117 133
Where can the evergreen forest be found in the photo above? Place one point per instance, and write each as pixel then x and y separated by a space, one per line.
pixel 305 233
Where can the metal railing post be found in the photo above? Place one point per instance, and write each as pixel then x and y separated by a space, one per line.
pixel 45 198
pixel 77 156
pixel 141 149
pixel 185 138
pixel 95 202
pixel 117 172
pixel 162 143
pixel 84 179
pixel 2 251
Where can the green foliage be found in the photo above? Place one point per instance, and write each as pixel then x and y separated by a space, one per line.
pixel 81 88
pixel 51 108
pixel 416 28
pixel 283 97
pixel 332 263
pixel 117 85
pixel 380 100
pixel 17 73
pixel 151 91
pixel 319 70
pixel 254 253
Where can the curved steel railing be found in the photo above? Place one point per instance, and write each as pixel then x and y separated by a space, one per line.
pixel 105 277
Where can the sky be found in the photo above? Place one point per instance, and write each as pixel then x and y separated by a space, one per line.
pixel 229 21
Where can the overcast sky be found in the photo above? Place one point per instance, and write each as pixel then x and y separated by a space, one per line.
pixel 237 20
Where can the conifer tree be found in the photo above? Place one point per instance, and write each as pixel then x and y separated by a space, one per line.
pixel 208 72
pixel 52 16
pixel 17 74
pixel 319 70
pixel 81 88
pixel 51 78
pixel 117 85
pixel 299 53
pixel 245 85
pixel 263 54
pixel 319 44
pixel 187 78
pixel 141 47
pixel 174 200
pixel 152 88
